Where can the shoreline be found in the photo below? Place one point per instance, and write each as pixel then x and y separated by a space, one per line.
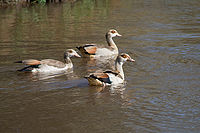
pixel 13 3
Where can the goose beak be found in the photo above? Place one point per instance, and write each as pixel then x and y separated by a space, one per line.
pixel 77 55
pixel 118 34
pixel 131 60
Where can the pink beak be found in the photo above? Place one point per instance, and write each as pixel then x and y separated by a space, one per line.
pixel 118 34
pixel 77 55
pixel 131 60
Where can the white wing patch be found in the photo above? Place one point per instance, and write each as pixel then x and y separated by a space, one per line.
pixel 115 79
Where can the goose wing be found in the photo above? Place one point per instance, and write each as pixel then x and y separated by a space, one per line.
pixel 54 63
pixel 30 62
pixel 116 73
pixel 89 49
pixel 102 77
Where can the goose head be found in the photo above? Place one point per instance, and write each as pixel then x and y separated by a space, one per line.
pixel 71 53
pixel 123 57
pixel 112 33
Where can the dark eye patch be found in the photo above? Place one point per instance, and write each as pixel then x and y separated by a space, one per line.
pixel 124 56
pixel 113 31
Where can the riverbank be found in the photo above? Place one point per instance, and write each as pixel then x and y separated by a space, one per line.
pixel 10 3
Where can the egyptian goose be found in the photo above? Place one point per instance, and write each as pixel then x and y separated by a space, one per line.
pixel 49 65
pixel 110 77
pixel 93 50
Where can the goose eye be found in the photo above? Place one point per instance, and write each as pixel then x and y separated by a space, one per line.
pixel 113 31
pixel 124 56
pixel 70 51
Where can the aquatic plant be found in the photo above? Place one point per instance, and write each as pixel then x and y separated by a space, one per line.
pixel 41 1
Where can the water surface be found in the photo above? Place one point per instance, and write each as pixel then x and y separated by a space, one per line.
pixel 162 91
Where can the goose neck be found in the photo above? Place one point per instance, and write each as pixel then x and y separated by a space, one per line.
pixel 110 41
pixel 118 67
pixel 67 60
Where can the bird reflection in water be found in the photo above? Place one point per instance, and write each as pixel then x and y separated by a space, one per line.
pixel 112 89
pixel 36 76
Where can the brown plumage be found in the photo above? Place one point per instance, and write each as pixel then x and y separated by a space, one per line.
pixel 30 62
pixel 88 49
pixel 98 79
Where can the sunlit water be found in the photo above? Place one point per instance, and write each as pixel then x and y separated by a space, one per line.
pixel 162 91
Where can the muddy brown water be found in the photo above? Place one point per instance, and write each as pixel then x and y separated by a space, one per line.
pixel 162 90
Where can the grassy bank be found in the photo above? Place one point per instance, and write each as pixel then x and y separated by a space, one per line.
pixel 6 3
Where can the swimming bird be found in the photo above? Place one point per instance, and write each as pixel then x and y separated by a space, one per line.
pixel 94 50
pixel 49 65
pixel 110 77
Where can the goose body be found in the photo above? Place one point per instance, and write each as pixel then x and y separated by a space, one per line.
pixel 110 77
pixel 49 65
pixel 94 50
